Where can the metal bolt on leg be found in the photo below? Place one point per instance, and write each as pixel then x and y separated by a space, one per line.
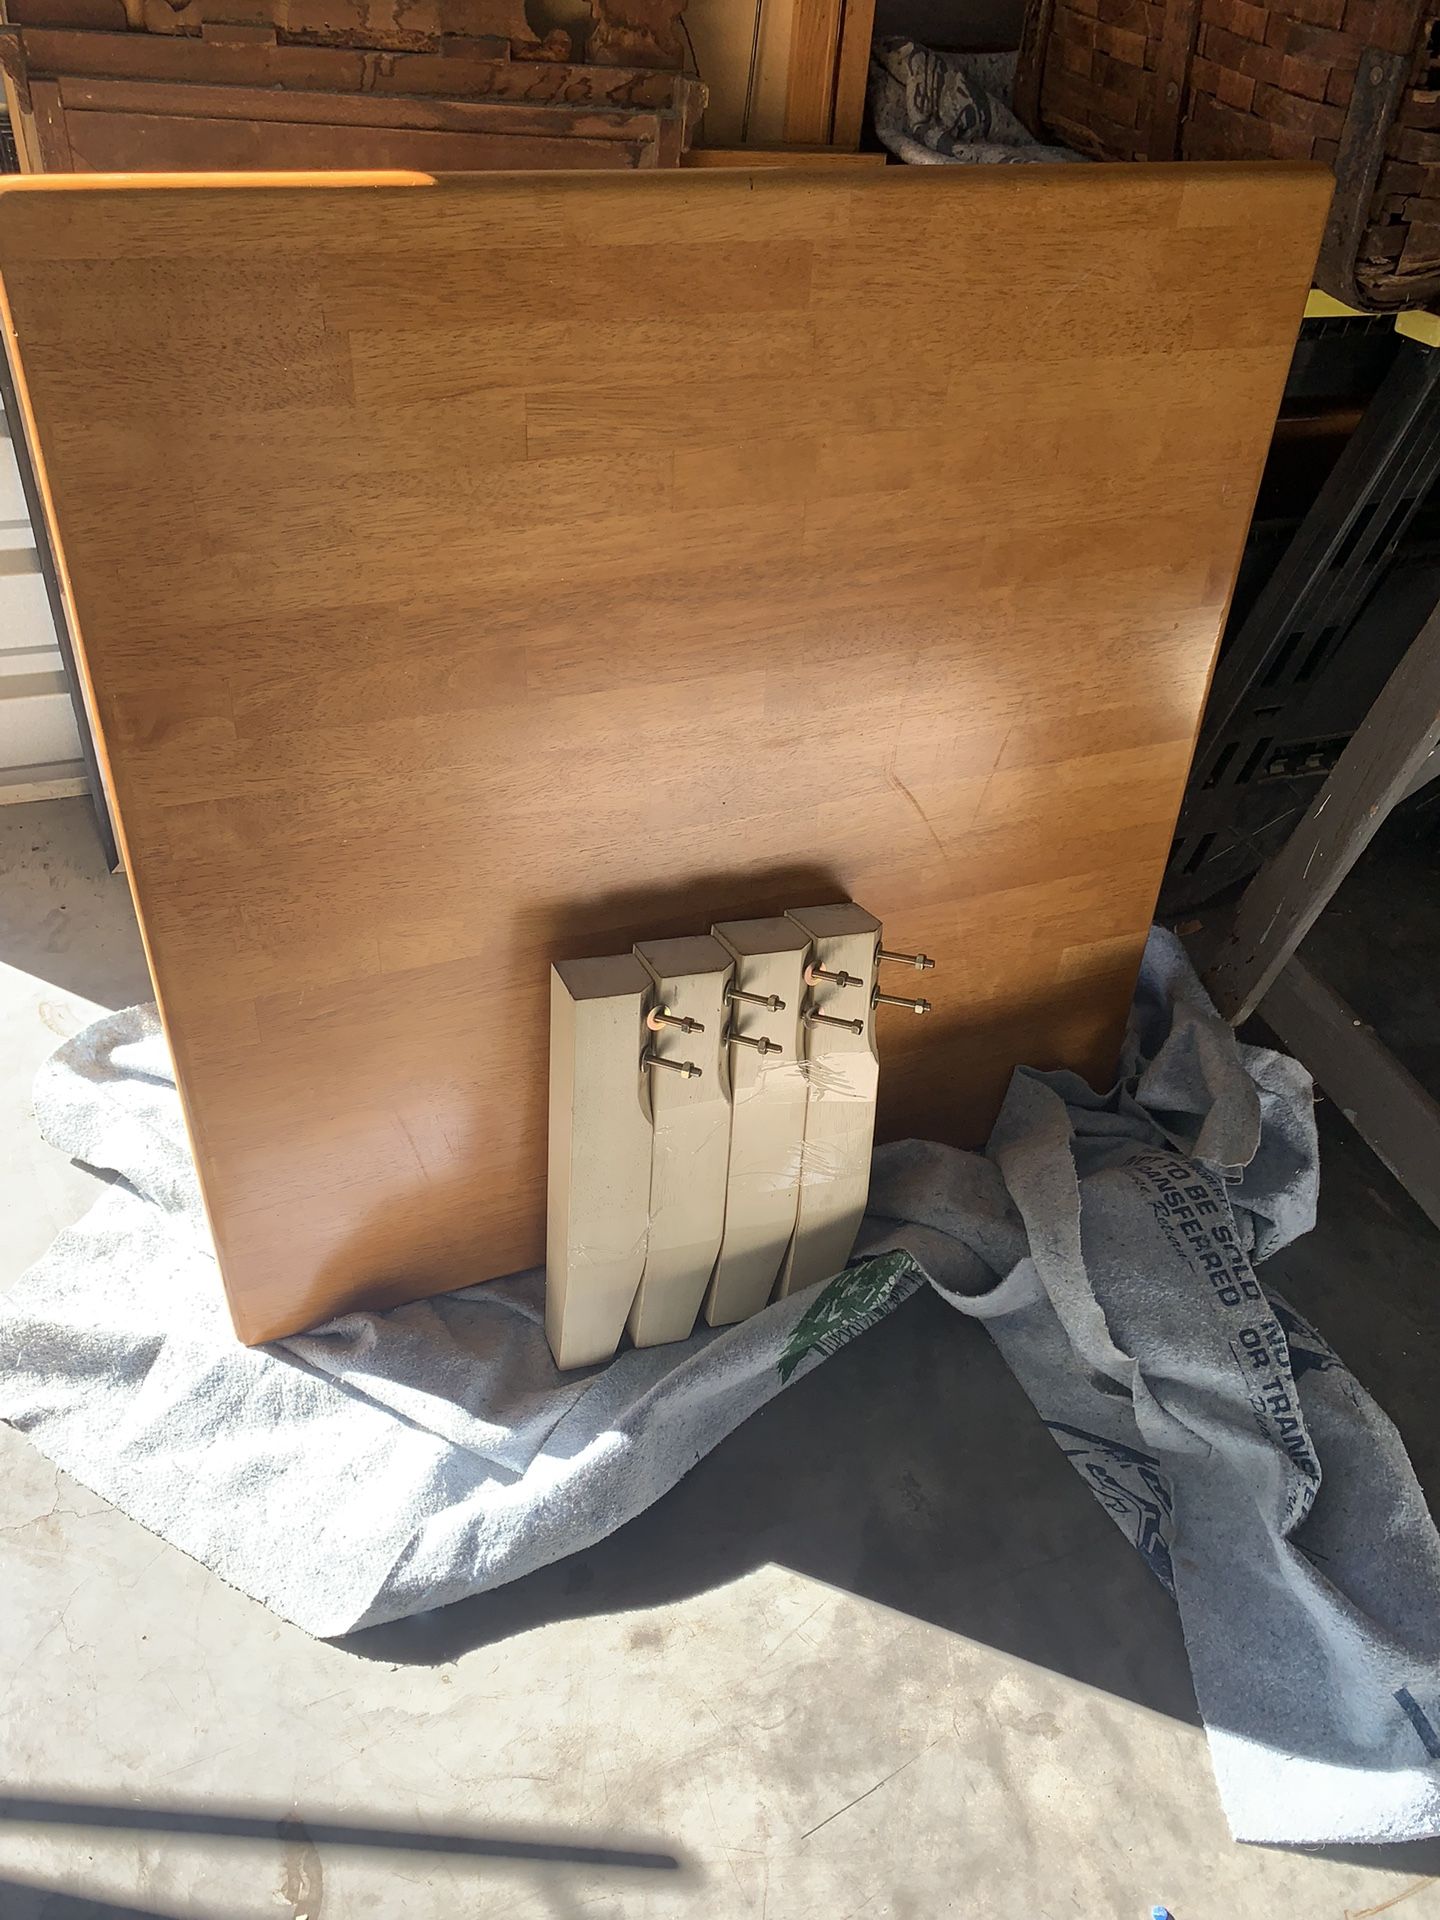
pixel 814 1018
pixel 921 962
pixel 687 1067
pixel 659 1017
pixel 761 1045
pixel 771 1002
pixel 878 999
pixel 814 974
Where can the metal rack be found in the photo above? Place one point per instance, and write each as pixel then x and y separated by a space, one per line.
pixel 1332 563
pixel 1330 623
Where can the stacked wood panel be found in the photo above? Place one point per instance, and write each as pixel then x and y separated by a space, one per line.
pixel 454 85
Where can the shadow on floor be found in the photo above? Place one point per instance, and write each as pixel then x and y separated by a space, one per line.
pixel 207 1822
pixel 912 1470
pixel 909 1469
pixel 1420 1857
pixel 64 917
pixel 1376 943
pixel 301 1841
pixel 1367 1278
pixel 27 1900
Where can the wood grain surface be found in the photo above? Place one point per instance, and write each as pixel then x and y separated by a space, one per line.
pixel 139 102
pixel 478 573
pixel 376 24
pixel 852 72
pixel 153 57
pixel 814 51
pixel 165 129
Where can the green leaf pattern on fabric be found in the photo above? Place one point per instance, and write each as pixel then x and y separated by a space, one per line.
pixel 847 1305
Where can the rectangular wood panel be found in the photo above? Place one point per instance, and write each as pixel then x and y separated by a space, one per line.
pixel 152 58
pixel 488 572
pixel 810 89
pixel 173 142
pixel 852 71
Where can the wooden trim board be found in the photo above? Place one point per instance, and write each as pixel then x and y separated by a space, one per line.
pixel 83 94
pixel 742 53
pixel 815 31
pixel 513 567
pixel 852 72
pixel 806 159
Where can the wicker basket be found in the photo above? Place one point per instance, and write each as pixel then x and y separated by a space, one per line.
pixel 1354 83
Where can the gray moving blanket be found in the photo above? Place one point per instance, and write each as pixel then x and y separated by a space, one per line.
pixel 393 1462
pixel 936 109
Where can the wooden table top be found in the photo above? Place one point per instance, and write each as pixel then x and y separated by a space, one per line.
pixel 479 572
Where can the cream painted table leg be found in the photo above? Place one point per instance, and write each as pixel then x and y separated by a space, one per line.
pixel 601 1137
pixel 843 1072
pixel 767 1129
pixel 690 1100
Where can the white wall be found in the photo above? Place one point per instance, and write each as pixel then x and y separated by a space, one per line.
pixel 39 748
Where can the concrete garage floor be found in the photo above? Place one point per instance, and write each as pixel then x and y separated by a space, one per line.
pixel 879 1655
